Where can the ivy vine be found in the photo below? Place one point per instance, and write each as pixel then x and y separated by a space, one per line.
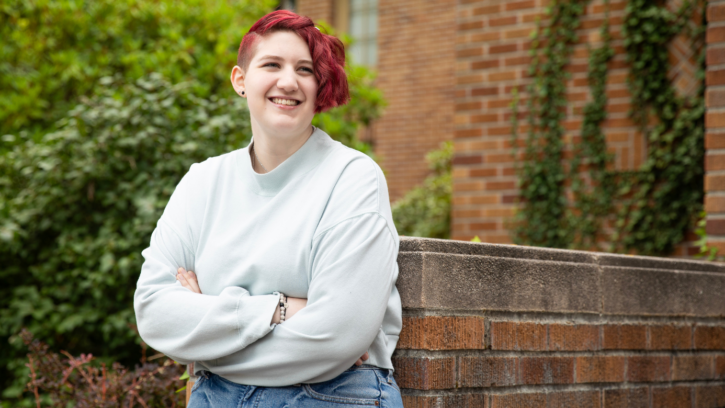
pixel 593 200
pixel 542 218
pixel 651 207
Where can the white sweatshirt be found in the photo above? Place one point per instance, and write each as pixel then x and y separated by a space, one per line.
pixel 319 226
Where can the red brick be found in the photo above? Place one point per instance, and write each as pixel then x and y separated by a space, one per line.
pixel 720 367
pixel 715 12
pixel 483 173
pixel 547 370
pixel 670 337
pixel 411 401
pixel 648 368
pixel 425 373
pixel 715 227
pixel 500 21
pixel 715 56
pixel 500 185
pixel 468 106
pixel 709 337
pixel 671 397
pixel 715 77
pixel 468 133
pixel 486 64
pixel 578 399
pixel 442 333
pixel 446 401
pixel 518 336
pixel 492 90
pixel 715 35
pixel 519 5
pixel 488 371
pixel 599 369
pixel 625 337
pixel 714 182
pixel 468 159
pixel 485 118
pixel 573 337
pixel 486 10
pixel 473 25
pixel 710 396
pixel 470 52
pixel 714 204
pixel 714 120
pixel 500 49
pixel 714 98
pixel 626 398
pixel 689 368
pixel 714 140
pixel 714 162
pixel 527 400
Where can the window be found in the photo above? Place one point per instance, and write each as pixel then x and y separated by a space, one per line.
pixel 364 30
pixel 287 5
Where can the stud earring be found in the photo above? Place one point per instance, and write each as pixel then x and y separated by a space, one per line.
pixel 242 92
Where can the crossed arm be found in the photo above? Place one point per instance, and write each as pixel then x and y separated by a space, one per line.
pixel 189 281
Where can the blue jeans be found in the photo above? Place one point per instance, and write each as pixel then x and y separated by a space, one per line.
pixel 363 385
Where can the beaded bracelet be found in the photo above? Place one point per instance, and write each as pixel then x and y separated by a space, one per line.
pixel 282 306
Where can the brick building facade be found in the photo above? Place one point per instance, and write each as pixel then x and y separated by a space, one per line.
pixel 447 69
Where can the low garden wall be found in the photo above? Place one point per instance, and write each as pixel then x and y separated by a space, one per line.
pixel 506 326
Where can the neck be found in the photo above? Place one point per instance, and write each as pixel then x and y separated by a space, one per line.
pixel 271 149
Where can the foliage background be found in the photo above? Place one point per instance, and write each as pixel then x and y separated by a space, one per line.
pixel 103 107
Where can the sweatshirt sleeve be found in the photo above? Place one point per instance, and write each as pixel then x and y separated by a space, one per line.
pixel 353 270
pixel 177 322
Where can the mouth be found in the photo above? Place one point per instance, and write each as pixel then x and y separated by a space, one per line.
pixel 285 101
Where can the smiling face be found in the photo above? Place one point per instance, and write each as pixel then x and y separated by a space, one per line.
pixel 280 85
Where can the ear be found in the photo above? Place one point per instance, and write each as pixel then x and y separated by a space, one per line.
pixel 237 79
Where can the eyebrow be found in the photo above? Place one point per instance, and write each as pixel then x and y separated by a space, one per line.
pixel 276 58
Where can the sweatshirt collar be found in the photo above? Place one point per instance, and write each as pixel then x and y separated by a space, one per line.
pixel 306 158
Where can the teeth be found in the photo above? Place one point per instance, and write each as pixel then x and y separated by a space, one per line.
pixel 289 102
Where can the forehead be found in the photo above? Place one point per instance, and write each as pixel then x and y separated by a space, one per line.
pixel 283 44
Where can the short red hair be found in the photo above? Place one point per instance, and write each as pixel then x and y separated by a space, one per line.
pixel 328 54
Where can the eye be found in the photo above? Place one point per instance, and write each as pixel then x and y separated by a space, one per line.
pixel 308 70
pixel 271 64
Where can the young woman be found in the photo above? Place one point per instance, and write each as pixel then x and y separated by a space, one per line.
pixel 292 243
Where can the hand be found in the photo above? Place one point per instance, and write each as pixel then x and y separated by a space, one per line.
pixel 360 360
pixel 188 280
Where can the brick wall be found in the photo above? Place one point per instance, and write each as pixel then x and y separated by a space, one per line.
pixel 576 330
pixel 416 72
pixel 447 69
pixel 492 59
pixel 715 126
pixel 316 9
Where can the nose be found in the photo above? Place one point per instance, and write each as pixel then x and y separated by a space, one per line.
pixel 287 80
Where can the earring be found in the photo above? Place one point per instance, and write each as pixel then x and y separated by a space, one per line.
pixel 242 92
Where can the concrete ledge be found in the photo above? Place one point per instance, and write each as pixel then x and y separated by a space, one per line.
pixel 449 275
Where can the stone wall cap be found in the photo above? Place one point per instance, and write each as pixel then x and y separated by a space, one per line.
pixel 446 246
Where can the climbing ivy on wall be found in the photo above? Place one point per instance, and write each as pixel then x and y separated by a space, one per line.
pixel 541 221
pixel 652 207
pixel 593 200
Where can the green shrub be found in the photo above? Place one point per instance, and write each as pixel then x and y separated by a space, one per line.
pixel 425 211
pixel 54 51
pixel 78 207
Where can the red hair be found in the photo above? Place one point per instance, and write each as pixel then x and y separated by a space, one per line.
pixel 328 54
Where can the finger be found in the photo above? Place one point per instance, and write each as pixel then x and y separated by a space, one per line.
pixel 365 356
pixel 358 362
pixel 182 279
pixel 191 278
